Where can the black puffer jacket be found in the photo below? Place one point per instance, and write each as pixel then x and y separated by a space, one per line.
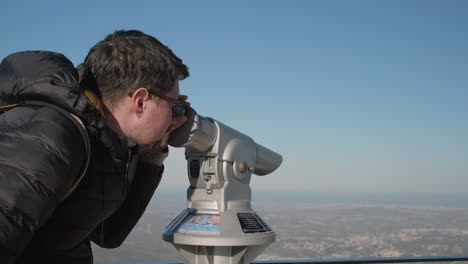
pixel 41 153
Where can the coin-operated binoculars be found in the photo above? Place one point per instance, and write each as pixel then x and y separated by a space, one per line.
pixel 219 225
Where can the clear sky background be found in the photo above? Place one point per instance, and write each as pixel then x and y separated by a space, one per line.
pixel 356 95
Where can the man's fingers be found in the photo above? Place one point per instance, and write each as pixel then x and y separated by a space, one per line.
pixel 163 141
pixel 180 120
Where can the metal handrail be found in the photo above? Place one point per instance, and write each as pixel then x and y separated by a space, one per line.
pixel 351 260
pixel 367 260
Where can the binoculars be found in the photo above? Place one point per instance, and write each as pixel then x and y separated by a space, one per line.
pixel 219 225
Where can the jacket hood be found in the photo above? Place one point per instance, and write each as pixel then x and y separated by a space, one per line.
pixel 50 77
pixel 43 76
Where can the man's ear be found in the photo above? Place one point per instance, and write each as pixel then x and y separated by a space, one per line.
pixel 139 98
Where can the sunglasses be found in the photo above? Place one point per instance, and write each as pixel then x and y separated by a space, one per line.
pixel 179 106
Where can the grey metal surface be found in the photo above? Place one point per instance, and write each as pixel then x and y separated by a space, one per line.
pixel 267 161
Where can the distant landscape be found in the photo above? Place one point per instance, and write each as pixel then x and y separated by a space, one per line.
pixel 317 227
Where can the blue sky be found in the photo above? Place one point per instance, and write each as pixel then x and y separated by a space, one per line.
pixel 356 95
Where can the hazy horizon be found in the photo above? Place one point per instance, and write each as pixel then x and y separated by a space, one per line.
pixel 327 198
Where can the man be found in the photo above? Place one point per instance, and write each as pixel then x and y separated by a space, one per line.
pixel 126 95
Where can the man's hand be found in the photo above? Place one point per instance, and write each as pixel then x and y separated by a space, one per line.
pixel 177 122
pixel 156 153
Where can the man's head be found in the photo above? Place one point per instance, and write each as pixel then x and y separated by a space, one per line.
pixel 137 76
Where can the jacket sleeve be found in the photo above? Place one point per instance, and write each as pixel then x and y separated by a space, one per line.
pixel 41 153
pixel 113 231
